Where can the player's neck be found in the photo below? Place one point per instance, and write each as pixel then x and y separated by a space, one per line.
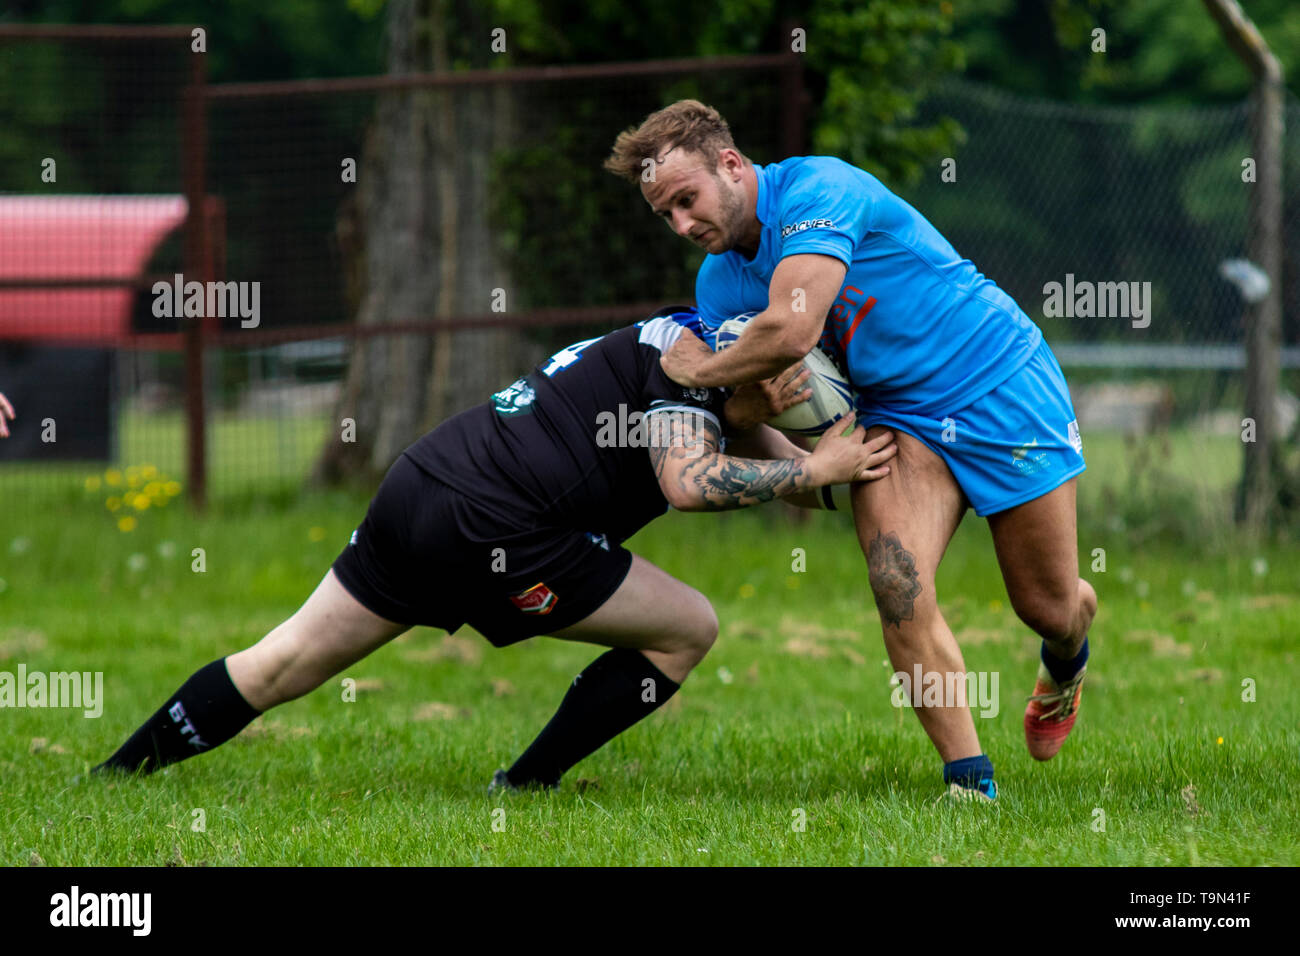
pixel 748 243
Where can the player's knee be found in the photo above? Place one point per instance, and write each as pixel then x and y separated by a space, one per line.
pixel 703 632
pixel 1051 614
pixel 697 629
pixel 896 596
pixel 1087 600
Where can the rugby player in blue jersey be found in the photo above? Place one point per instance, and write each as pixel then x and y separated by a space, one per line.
pixel 937 353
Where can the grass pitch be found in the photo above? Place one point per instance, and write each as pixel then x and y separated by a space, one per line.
pixel 782 748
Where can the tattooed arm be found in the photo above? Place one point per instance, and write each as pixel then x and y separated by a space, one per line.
pixel 766 442
pixel 695 476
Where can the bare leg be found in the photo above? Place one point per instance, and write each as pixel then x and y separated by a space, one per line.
pixel 904 522
pixel 330 632
pixel 669 622
pixel 659 629
pixel 1038 551
pixel 1037 548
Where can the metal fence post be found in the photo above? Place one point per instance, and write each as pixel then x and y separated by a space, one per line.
pixel 197 263
pixel 793 99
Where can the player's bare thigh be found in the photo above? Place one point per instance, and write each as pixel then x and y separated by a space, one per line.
pixel 673 624
pixel 904 523
pixel 330 632
pixel 1038 550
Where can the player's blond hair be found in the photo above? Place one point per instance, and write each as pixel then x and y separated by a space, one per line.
pixel 686 124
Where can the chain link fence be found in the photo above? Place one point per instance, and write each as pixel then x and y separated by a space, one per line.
pixel 1142 205
pixel 1111 227
pixel 571 247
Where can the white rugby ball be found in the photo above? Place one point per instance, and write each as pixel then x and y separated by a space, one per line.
pixel 832 395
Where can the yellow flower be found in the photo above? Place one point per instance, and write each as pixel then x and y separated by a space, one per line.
pixel 1220 741
pixel 113 503
pixel 140 502
pixel 148 471
pixel 172 487
pixel 317 533
pixel 132 481
pixel 747 590
pixel 113 478
pixel 153 489
pixel 126 524
pixel 92 483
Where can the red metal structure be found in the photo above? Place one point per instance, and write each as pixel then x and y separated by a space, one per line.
pixel 92 250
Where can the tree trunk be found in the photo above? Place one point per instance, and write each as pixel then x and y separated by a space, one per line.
pixel 422 238
pixel 1262 464
pixel 1260 471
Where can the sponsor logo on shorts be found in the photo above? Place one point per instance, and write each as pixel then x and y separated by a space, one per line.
pixel 353 539
pixel 514 399
pixel 538 599
pixel 1075 439
pixel 599 540
pixel 1028 459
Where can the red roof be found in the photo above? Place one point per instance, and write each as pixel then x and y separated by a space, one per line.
pixel 78 237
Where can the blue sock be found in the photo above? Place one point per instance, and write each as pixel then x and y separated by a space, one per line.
pixel 1062 671
pixel 975 773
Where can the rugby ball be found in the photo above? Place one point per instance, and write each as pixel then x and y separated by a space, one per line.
pixel 832 395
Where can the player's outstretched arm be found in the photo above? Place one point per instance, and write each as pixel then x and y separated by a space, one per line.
pixel 695 476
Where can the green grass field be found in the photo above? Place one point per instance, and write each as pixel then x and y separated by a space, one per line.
pixel 789 717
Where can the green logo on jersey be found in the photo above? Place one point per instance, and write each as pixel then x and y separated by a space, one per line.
pixel 515 399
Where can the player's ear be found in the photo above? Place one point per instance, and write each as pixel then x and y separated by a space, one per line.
pixel 731 163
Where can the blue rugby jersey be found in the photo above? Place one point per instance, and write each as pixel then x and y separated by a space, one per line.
pixel 916 326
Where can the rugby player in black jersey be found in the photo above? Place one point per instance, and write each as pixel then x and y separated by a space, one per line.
pixel 511 517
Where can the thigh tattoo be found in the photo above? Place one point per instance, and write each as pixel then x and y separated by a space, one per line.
pixel 892 571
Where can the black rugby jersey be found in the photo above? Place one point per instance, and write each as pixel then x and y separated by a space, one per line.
pixel 568 444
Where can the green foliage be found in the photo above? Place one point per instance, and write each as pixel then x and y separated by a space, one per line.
pixel 866 69
pixel 878 61
pixel 251 39
pixel 1157 51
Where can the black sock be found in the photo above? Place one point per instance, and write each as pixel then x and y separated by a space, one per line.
pixel 208 710
pixel 615 691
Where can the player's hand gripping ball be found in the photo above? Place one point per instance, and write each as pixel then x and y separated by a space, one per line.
pixel 832 395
